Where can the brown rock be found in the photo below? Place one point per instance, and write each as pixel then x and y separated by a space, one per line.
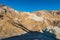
pixel 35 21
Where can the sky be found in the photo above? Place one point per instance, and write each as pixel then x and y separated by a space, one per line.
pixel 32 5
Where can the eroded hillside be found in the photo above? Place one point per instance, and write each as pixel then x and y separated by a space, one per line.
pixel 35 21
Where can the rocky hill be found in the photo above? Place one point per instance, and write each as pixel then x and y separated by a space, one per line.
pixel 14 23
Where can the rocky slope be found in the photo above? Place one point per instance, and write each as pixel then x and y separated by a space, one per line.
pixel 35 21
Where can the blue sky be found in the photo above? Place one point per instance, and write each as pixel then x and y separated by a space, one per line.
pixel 32 5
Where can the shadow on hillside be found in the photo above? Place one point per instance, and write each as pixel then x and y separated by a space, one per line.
pixel 34 36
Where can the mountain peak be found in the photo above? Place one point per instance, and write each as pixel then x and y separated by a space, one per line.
pixel 34 21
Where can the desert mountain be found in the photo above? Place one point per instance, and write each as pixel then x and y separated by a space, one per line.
pixel 10 20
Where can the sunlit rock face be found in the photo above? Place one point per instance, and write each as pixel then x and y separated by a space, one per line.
pixel 35 21
pixel 7 29
pixel 52 18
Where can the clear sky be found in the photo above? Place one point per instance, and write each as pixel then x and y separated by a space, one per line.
pixel 32 5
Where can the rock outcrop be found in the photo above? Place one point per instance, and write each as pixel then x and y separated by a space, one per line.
pixel 35 21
